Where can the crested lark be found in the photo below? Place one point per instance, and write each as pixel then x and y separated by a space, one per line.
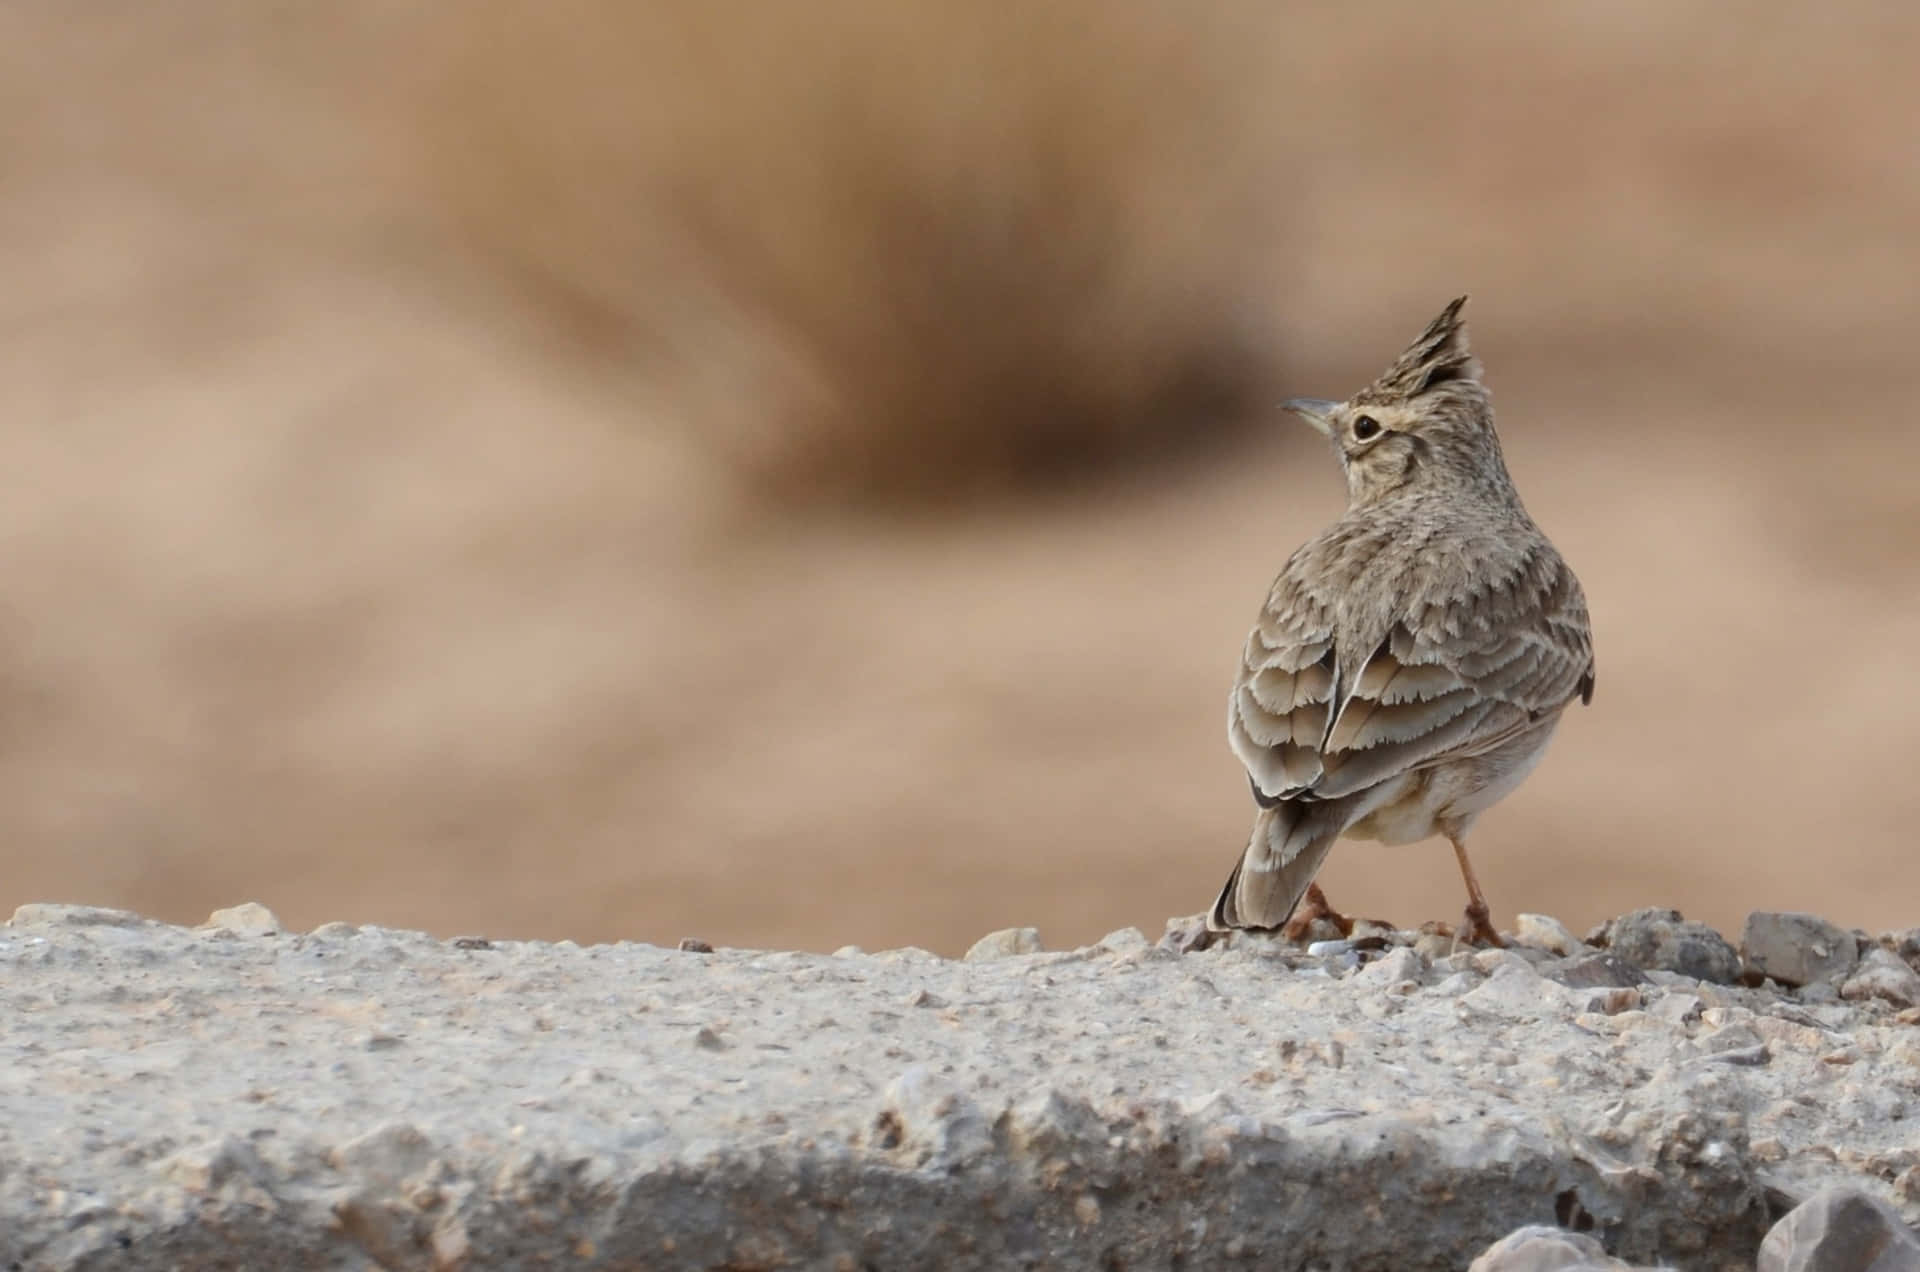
pixel 1412 660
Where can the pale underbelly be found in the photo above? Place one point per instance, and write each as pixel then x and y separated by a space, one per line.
pixel 1407 818
pixel 1448 798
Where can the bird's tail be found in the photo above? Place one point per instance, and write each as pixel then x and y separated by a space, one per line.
pixel 1289 842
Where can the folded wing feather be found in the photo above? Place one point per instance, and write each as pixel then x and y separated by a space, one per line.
pixel 1431 691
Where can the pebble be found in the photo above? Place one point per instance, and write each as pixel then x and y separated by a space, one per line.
pixel 1666 940
pixel 1906 944
pixel 1797 949
pixel 1006 943
pixel 906 954
pixel 1842 1228
pixel 1757 1054
pixel 249 918
pixel 1542 1249
pixel 1883 975
pixel 1399 970
pixel 1543 931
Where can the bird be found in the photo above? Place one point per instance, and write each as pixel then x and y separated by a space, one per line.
pixel 1413 659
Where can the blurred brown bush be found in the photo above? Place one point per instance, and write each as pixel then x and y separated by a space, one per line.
pixel 892 250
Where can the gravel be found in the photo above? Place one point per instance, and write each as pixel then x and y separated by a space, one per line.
pixel 353 1097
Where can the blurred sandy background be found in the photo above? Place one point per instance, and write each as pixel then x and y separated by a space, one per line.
pixel 802 475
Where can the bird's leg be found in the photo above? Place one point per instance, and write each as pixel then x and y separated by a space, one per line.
pixel 1479 920
pixel 1314 906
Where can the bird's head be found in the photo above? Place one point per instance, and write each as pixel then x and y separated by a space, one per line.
pixel 1426 421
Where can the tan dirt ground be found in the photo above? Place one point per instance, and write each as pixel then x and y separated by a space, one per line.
pixel 388 539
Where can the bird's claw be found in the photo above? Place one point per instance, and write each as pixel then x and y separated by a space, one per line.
pixel 1313 908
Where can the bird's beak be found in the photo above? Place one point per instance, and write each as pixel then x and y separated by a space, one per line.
pixel 1315 411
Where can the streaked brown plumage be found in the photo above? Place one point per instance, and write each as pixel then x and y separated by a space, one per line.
pixel 1412 660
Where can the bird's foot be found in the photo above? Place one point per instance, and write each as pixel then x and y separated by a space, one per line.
pixel 1476 928
pixel 1314 920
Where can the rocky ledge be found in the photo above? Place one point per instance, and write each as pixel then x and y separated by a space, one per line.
pixel 240 1096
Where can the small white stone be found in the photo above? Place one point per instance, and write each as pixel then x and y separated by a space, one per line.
pixel 908 954
pixel 1006 943
pixel 249 918
pixel 1884 976
pixel 1543 931
pixel 1541 1249
pixel 1397 970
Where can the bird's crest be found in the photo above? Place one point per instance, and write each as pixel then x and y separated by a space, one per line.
pixel 1438 356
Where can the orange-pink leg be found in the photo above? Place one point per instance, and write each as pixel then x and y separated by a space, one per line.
pixel 1478 929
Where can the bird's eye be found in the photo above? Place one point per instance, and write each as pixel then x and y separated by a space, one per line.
pixel 1365 428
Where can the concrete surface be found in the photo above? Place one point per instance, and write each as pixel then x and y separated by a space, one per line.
pixel 238 1096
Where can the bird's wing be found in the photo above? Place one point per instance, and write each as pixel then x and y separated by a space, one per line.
pixel 1283 699
pixel 1445 682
